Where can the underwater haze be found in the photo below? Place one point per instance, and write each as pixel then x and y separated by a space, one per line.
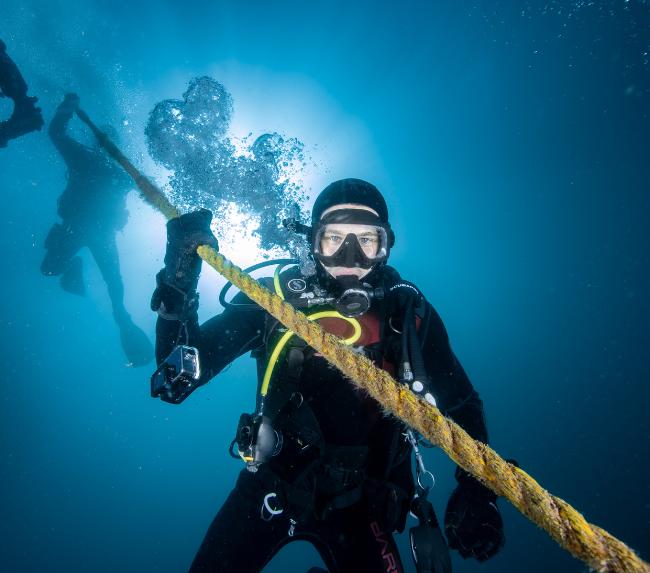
pixel 511 140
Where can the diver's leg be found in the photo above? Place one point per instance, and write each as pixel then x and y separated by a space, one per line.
pixel 135 343
pixel 238 538
pixel 72 280
pixel 104 251
pixel 349 541
pixel 60 247
pixel 62 244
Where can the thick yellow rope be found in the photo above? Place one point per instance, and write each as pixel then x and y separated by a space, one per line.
pixel 600 550
pixel 593 545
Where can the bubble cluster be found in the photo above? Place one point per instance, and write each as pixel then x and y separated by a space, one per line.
pixel 262 177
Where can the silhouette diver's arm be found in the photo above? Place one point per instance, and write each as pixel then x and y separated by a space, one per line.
pixel 26 117
pixel 74 153
pixel 452 388
pixel 12 84
pixel 219 341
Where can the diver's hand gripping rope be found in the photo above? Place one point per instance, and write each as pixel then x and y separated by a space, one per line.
pixel 593 545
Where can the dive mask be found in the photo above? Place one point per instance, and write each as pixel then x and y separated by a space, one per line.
pixel 350 253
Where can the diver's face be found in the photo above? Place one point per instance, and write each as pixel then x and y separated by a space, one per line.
pixel 335 234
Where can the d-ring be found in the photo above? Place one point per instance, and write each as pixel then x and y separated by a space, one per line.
pixel 272 512
pixel 430 475
pixel 390 323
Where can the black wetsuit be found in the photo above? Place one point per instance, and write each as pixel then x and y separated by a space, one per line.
pixel 92 208
pixel 353 533
pixel 26 116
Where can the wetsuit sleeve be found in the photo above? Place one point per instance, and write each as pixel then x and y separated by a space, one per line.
pixel 12 84
pixel 219 341
pixel 452 388
pixel 72 151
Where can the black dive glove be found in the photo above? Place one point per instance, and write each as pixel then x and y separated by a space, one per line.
pixel 177 281
pixel 430 551
pixel 184 235
pixel 473 522
pixel 69 104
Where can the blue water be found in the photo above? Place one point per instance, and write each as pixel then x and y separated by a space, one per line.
pixel 511 140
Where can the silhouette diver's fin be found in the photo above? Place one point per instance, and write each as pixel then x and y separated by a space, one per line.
pixel 317 570
pixel 72 280
pixel 135 344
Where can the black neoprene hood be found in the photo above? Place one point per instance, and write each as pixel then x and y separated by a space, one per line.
pixel 349 191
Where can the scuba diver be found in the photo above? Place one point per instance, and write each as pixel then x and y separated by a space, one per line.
pixel 324 462
pixel 26 116
pixel 92 209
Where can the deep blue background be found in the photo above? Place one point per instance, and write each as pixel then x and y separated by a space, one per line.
pixel 511 140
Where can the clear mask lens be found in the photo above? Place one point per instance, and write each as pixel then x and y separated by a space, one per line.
pixel 363 248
